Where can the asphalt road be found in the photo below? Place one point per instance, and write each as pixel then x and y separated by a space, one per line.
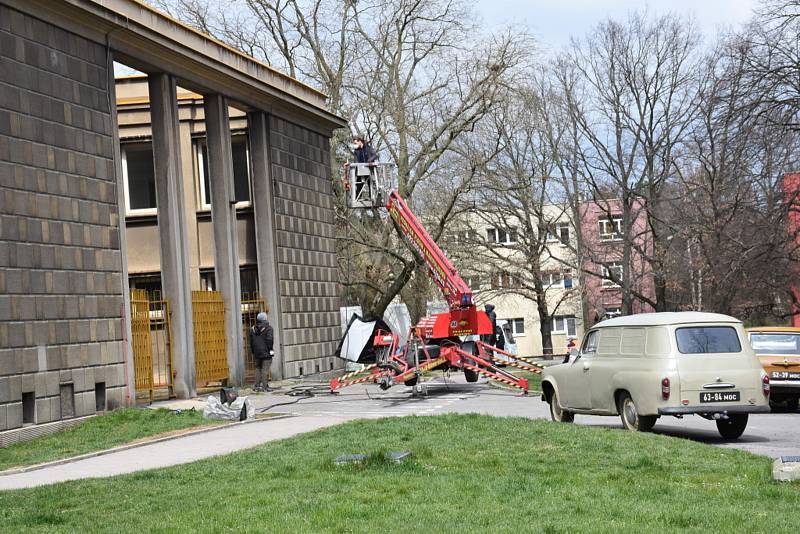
pixel 770 435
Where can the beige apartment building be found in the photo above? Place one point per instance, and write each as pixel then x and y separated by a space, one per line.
pixel 560 276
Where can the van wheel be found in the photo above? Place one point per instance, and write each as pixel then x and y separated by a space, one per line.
pixel 733 427
pixel 558 414
pixel 631 419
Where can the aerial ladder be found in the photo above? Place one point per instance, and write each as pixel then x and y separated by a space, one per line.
pixel 449 340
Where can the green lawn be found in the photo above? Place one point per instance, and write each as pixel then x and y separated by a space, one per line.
pixel 101 432
pixel 468 473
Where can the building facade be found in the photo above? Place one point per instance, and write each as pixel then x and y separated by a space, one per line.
pixel 66 252
pixel 581 278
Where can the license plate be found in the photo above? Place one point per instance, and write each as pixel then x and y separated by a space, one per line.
pixel 719 396
pixel 785 375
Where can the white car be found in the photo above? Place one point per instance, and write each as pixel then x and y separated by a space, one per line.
pixel 645 366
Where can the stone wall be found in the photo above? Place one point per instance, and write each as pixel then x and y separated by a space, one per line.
pixel 304 223
pixel 60 286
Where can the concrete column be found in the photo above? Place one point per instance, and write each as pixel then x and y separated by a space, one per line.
pixel 170 200
pixel 125 312
pixel 226 239
pixel 263 201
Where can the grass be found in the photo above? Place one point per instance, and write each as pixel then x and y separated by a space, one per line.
pixel 98 433
pixel 468 473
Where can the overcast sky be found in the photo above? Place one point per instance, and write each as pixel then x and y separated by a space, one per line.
pixel 554 21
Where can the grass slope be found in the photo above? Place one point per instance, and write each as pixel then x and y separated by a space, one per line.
pixel 468 473
pixel 98 433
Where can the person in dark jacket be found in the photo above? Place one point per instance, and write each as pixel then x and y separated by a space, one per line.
pixel 363 151
pixel 491 339
pixel 261 339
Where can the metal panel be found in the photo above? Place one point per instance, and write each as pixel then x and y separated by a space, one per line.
pixel 142 341
pixel 211 358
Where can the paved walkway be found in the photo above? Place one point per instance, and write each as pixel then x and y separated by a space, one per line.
pixel 176 451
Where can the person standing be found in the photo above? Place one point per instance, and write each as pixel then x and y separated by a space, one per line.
pixel 491 339
pixel 261 340
pixel 363 151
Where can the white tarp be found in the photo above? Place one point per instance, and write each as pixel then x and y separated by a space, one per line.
pixel 356 339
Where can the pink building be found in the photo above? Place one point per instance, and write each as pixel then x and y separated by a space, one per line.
pixel 603 245
pixel 791 190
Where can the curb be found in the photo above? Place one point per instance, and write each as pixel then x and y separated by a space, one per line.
pixel 120 448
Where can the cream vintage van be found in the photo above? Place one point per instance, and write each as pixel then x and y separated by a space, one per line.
pixel 645 366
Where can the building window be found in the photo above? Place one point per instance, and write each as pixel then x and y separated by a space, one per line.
pixel 248 281
pixel 241 171
pixel 517 326
pixel 474 282
pixel 149 282
pixel 139 176
pixel 552 279
pixel 559 233
pixel 610 229
pixel 563 324
pixel 501 235
pixel 612 273
pixel 502 280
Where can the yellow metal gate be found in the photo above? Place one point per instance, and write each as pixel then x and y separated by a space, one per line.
pixel 210 349
pixel 250 309
pixel 152 343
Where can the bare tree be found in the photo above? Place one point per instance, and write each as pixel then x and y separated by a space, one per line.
pixel 632 102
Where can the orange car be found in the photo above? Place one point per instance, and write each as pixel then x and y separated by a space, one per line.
pixel 778 349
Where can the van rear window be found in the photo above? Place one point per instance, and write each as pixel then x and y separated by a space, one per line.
pixel 707 339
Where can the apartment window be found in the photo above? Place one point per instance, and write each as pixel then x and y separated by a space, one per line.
pixel 611 273
pixel 241 171
pixel 610 229
pixel 501 235
pixel 559 233
pixel 139 176
pixel 517 326
pixel 553 278
pixel 563 324
pixel 474 282
pixel 502 280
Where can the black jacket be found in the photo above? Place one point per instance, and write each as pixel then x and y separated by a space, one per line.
pixel 366 154
pixel 261 341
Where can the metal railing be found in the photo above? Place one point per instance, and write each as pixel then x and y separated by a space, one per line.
pixel 369 184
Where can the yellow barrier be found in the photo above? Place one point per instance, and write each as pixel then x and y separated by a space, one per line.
pixel 210 347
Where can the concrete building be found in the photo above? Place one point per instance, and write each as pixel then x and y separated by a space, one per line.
pixel 65 312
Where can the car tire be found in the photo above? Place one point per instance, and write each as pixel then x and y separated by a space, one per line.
pixel 629 414
pixel 558 414
pixel 733 427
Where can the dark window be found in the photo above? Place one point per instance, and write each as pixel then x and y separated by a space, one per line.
pixel 707 339
pixel 28 408
pixel 241 170
pixel 140 176
pixel 100 397
pixel 150 283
